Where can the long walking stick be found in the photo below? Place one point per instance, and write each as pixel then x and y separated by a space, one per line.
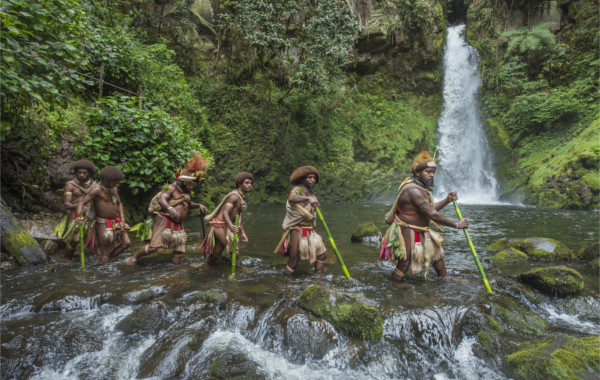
pixel 81 244
pixel 203 214
pixel 483 277
pixel 335 250
pixel 235 237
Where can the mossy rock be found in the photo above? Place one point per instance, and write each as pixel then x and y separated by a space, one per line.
pixel 555 281
pixel 343 312
pixel 595 263
pixel 535 248
pixel 509 255
pixel 512 315
pixel 558 358
pixel 366 232
pixel 17 242
pixel 590 252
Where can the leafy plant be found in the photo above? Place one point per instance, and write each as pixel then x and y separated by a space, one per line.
pixel 148 145
pixel 526 39
pixel 41 54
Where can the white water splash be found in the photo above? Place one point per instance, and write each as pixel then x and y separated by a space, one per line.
pixel 464 158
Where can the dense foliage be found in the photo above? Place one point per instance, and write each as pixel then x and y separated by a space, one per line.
pixel 147 144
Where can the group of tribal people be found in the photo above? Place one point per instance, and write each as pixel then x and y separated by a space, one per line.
pixel 408 242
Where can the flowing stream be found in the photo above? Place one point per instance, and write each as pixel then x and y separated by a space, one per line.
pixel 157 320
pixel 465 160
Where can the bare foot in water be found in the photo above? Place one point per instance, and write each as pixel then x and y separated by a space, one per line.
pixel 132 260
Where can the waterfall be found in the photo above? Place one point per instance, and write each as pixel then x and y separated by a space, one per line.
pixel 464 157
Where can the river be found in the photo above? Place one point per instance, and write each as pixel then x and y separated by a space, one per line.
pixel 155 320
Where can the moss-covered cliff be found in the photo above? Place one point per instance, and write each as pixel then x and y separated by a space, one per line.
pixel 540 95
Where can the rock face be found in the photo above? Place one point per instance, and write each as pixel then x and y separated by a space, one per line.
pixel 343 312
pixel 536 248
pixel 556 281
pixel 17 242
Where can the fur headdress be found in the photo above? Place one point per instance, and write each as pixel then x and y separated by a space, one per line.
pixel 241 177
pixel 111 173
pixel 422 161
pixel 85 164
pixel 299 174
pixel 194 170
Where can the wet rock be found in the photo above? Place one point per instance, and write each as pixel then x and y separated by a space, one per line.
pixel 234 366
pixel 517 318
pixel 167 357
pixel 509 255
pixel 555 281
pixel 148 319
pixel 212 296
pixel 590 253
pixel 366 233
pixel 16 241
pixel 595 263
pixel 343 312
pixel 518 290
pixel 556 358
pixel 309 337
pixel 536 248
pixel 63 300
pixel 586 308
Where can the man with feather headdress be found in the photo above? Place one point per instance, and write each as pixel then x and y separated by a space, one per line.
pixel 108 232
pixel 171 208
pixel 409 240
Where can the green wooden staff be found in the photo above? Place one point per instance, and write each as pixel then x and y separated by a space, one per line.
pixel 235 237
pixel 335 250
pixel 81 244
pixel 483 277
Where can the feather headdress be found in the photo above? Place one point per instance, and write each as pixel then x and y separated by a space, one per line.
pixel 194 170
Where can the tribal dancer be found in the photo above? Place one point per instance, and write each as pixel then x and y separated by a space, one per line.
pixel 75 189
pixel 171 208
pixel 409 240
pixel 299 223
pixel 221 220
pixel 109 225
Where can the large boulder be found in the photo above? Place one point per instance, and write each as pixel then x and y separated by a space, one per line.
pixel 343 312
pixel 17 242
pixel 536 248
pixel 556 358
pixel 556 281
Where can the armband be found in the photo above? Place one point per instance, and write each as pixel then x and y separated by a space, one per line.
pixel 68 192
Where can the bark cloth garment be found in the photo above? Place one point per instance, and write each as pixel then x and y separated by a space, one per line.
pixel 166 233
pixel 208 245
pixel 73 237
pixel 426 245
pixel 311 243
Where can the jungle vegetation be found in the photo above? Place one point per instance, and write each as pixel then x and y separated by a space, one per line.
pixel 351 87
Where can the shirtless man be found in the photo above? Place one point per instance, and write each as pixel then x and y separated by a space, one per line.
pixel 299 223
pixel 409 239
pixel 75 189
pixel 109 226
pixel 222 221
pixel 167 231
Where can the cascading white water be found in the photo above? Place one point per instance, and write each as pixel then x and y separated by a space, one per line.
pixel 464 157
